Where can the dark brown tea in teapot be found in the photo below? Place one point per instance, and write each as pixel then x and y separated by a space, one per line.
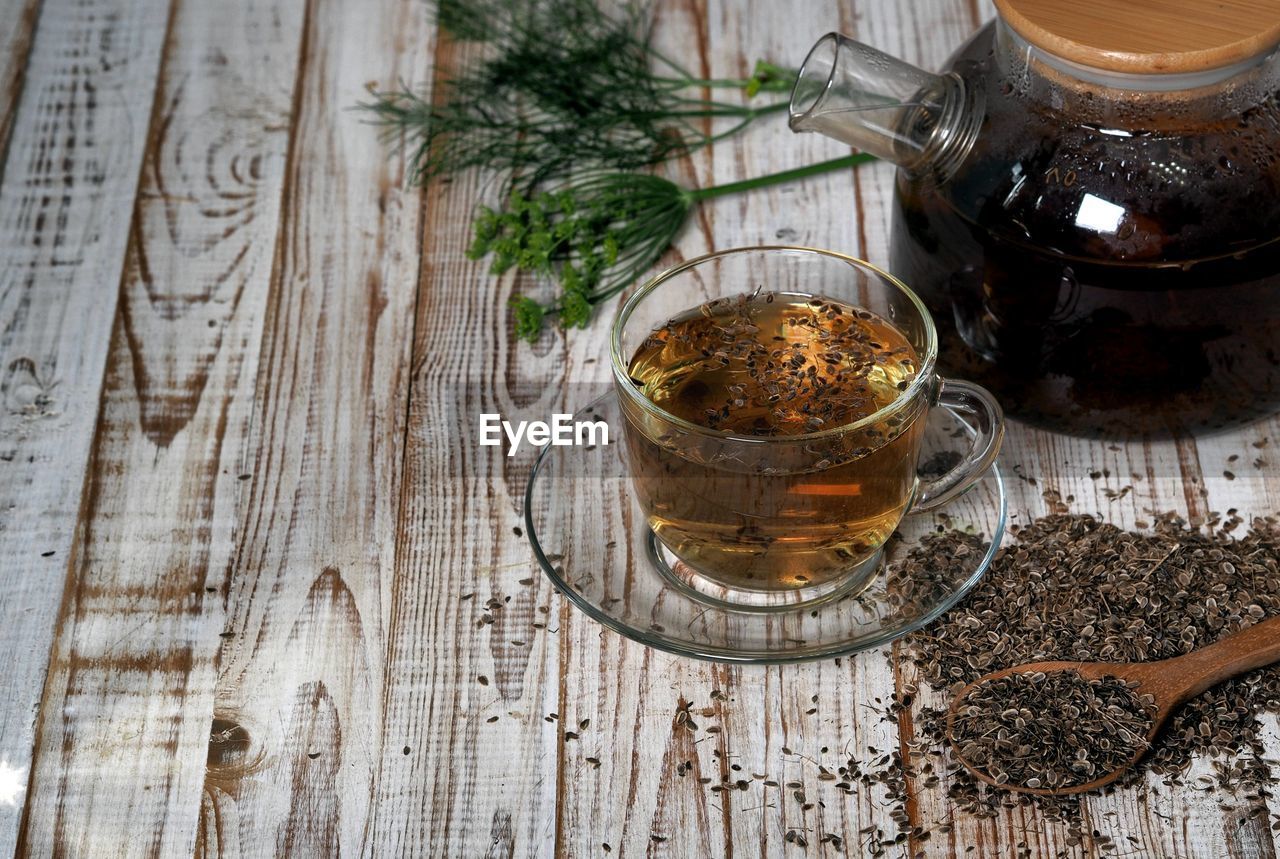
pixel 1099 347
pixel 1088 200
pixel 1134 339
pixel 1105 280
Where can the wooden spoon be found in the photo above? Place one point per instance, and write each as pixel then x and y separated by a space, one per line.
pixel 1171 682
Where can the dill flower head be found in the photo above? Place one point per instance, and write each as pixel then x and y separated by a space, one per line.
pixel 593 235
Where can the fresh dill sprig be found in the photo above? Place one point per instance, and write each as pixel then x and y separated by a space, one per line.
pixel 596 233
pixel 563 86
pixel 566 104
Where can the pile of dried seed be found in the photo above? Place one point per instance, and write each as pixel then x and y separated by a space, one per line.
pixel 1072 587
pixel 1051 730
pixel 1069 587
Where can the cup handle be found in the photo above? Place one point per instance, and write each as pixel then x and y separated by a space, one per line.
pixel 976 403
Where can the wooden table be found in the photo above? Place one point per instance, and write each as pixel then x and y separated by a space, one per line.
pixel 241 368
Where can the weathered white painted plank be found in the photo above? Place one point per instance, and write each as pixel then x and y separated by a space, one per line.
pixel 469 761
pixel 68 184
pixel 347 698
pixel 303 669
pixel 1241 470
pixel 129 700
pixel 19 20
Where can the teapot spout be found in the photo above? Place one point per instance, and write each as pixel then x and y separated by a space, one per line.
pixel 924 123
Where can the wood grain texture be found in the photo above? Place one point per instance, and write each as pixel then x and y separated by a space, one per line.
pixel 470 762
pixel 1148 36
pixel 297 615
pixel 69 179
pixel 309 589
pixel 19 20
pixel 125 729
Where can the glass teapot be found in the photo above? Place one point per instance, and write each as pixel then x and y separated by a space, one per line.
pixel 1088 198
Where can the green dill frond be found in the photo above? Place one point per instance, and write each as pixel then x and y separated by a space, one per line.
pixel 594 235
pixel 767 77
pixel 469 20
pixel 567 104
pixel 597 233
pixel 563 86
pixel 529 315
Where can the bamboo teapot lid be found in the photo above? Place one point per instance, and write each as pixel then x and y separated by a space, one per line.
pixel 1147 36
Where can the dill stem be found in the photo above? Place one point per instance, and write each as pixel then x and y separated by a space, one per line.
pixel 718 83
pixel 714 109
pixel 736 83
pixel 782 83
pixel 698 194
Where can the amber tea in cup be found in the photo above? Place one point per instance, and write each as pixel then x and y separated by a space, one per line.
pixel 773 364
pixel 773 432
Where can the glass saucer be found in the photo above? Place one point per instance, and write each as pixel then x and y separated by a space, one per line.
pixel 590 538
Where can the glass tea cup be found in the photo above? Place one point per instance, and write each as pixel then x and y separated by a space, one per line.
pixel 763 522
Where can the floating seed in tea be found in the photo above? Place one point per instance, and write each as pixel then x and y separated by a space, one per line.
pixel 800 371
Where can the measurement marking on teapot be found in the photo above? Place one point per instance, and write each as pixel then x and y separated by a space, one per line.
pixel 1066 180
